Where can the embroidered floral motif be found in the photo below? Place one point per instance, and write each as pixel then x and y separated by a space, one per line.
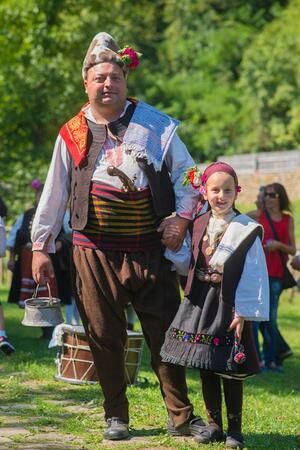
pixel 240 358
pixel 77 128
pixel 74 133
pixel 237 355
pixel 198 338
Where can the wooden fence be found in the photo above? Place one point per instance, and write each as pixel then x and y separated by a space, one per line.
pixel 265 162
pixel 258 169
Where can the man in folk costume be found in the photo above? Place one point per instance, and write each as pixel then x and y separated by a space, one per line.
pixel 121 162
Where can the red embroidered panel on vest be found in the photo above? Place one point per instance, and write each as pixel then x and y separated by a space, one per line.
pixel 74 133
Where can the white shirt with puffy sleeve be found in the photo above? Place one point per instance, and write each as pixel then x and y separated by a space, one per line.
pixel 50 212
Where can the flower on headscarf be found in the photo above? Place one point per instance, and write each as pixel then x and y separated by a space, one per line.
pixel 36 184
pixel 192 176
pixel 129 57
pixel 238 188
pixel 202 190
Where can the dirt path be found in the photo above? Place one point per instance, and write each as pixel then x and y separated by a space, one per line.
pixel 19 429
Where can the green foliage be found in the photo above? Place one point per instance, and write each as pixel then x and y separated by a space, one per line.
pixel 271 81
pixel 227 69
pixel 202 51
pixel 42 46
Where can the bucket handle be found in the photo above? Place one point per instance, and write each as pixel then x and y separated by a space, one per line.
pixel 49 292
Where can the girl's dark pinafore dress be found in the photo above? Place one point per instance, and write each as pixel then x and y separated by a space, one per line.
pixel 198 335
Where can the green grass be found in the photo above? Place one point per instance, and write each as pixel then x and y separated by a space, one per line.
pixel 271 404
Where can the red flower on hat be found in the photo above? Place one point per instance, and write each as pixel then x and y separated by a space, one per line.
pixel 129 57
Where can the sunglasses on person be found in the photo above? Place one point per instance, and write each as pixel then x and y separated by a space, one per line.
pixel 271 194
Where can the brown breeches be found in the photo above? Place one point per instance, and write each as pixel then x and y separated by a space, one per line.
pixel 105 282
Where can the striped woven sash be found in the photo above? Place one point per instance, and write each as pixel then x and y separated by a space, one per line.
pixel 119 220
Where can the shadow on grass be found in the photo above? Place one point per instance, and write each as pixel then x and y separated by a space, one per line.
pixel 269 382
pixel 147 432
pixel 144 382
pixel 271 441
pixel 80 394
pixel 35 352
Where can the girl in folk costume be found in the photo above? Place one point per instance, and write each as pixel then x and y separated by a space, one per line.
pixel 227 287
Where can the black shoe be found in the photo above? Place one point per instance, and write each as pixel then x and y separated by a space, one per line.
pixel 209 434
pixel 235 441
pixel 282 356
pixel 272 367
pixel 192 427
pixel 6 346
pixel 117 429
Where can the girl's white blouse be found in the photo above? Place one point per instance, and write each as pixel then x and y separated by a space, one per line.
pixel 252 296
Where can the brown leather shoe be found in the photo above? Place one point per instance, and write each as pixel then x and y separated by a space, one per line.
pixel 117 429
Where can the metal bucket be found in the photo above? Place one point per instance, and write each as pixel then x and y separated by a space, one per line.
pixel 42 311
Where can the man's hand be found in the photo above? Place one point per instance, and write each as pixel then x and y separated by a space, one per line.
pixel 296 262
pixel 174 231
pixel 238 325
pixel 42 268
pixel 272 245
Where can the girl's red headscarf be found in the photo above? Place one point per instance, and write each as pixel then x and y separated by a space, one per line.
pixel 219 166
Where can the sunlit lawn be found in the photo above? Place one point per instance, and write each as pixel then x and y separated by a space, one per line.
pixel 271 413
pixel 271 404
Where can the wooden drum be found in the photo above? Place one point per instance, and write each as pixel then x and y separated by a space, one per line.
pixel 133 356
pixel 74 363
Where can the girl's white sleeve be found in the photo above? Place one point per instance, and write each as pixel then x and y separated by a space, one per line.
pixel 252 296
pixel 2 238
